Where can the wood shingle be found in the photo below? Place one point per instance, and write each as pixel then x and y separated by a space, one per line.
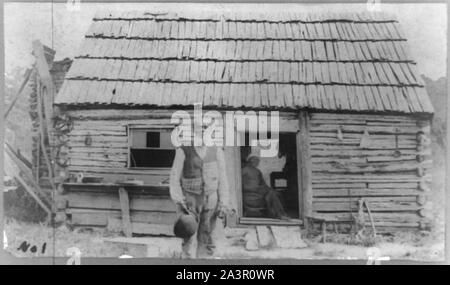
pixel 323 61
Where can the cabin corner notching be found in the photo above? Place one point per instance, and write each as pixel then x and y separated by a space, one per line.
pixel 353 113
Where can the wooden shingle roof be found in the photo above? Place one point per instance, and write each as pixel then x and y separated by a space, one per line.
pixel 357 62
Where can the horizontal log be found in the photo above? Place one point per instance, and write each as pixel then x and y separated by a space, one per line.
pixel 365 179
pixel 401 139
pixel 97 132
pixel 356 142
pixel 96 126
pixel 99 150
pixel 364 160
pixel 368 199
pixel 325 185
pixel 349 153
pixel 148 176
pixel 400 218
pixel 110 201
pixel 286 124
pixel 85 217
pixel 99 139
pixel 387 158
pixel 115 225
pixel 371 129
pixel 102 163
pixel 118 114
pixel 346 136
pixel 147 189
pixel 366 167
pixel 338 121
pixel 347 159
pixel 384 185
pixel 377 124
pixel 377 206
pixel 374 177
pixel 404 124
pixel 118 124
pixel 143 113
pixel 372 144
pixel 344 148
pixel 368 117
pixel 125 171
pixel 365 192
pixel 96 156
pixel 98 144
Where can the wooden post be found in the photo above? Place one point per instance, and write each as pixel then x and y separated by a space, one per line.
pixel 125 208
pixel 304 166
pixel 45 93
pixel 300 187
pixel 45 77
pixel 233 168
pixel 238 182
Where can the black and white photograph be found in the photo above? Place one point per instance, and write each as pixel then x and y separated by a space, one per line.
pixel 225 131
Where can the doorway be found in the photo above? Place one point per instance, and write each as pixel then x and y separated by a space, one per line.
pixel 277 175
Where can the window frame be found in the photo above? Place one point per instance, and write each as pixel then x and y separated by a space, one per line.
pixel 152 128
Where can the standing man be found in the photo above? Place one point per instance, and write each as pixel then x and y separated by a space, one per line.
pixel 198 185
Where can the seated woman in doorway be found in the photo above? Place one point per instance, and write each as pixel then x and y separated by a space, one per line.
pixel 259 199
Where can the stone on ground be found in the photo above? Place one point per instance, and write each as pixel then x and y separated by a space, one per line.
pixel 251 240
pixel 265 237
pixel 288 237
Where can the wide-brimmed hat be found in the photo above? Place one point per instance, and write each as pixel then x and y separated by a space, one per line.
pixel 185 226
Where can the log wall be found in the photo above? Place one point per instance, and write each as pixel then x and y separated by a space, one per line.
pixel 382 159
pixel 108 153
pixel 107 156
pixel 151 211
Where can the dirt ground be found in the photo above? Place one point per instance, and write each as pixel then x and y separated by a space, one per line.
pixel 402 246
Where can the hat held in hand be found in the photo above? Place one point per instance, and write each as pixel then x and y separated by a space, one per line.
pixel 185 226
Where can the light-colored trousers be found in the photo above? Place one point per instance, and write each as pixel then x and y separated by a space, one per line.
pixel 204 207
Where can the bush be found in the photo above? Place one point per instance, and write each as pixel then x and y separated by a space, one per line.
pixel 18 204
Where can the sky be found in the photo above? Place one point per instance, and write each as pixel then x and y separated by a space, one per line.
pixel 425 26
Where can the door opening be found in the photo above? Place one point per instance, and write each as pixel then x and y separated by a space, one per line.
pixel 270 176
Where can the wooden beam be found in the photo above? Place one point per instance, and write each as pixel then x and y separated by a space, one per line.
pixel 125 208
pixel 47 87
pixel 42 142
pixel 32 194
pixel 238 183
pixel 15 170
pixel 45 99
pixel 300 173
pixel 43 68
pixel 25 171
pixel 304 166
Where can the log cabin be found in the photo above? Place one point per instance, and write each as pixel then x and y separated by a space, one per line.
pixel 349 96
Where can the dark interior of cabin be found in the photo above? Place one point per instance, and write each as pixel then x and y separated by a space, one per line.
pixel 279 174
pixel 151 149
